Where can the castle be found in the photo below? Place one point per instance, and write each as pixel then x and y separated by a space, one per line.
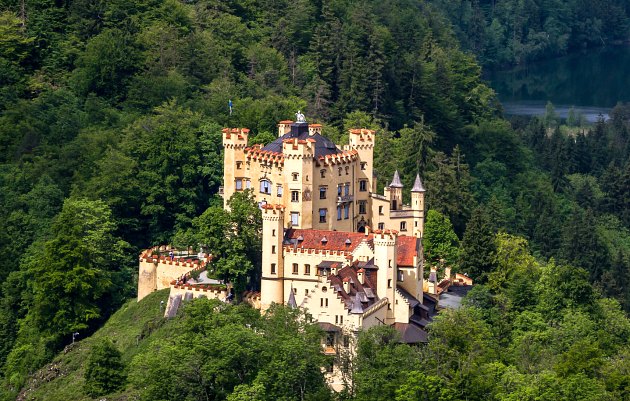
pixel 351 258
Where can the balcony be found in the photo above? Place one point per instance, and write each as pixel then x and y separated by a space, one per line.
pixel 345 199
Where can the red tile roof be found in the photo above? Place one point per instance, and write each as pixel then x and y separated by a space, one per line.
pixel 336 241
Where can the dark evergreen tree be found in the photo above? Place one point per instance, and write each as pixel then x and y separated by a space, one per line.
pixel 478 248
pixel 581 245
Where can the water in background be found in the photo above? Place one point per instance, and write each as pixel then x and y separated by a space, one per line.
pixel 592 81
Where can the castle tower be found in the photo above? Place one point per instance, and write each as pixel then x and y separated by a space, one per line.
pixel 284 127
pixel 395 192
pixel 385 258
pixel 417 205
pixel 298 174
pixel 234 173
pixel 272 282
pixel 362 140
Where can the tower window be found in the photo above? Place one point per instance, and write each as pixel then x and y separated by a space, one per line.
pixel 338 212
pixel 322 192
pixel 363 185
pixel 322 215
pixel 295 176
pixel 307 270
pixel 347 170
pixel 265 187
pixel 381 226
pixel 362 207
pixel 389 283
pixel 239 184
pixel 323 173
pixel 295 196
pixel 339 189
pixel 363 165
pixel 347 189
pixel 273 249
pixel 273 268
pixel 248 184
pixel 340 170
pixel 403 226
pixel 295 268
pixel 346 210
pixel 380 210
pixel 294 218
pixel 279 190
pixel 239 165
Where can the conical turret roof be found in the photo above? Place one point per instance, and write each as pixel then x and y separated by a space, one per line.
pixel 291 302
pixel 396 181
pixel 417 185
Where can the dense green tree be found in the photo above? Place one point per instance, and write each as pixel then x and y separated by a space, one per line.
pixel 439 240
pixel 105 372
pixel 478 249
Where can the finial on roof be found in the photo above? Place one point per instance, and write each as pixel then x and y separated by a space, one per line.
pixel 417 185
pixel 291 302
pixel 396 181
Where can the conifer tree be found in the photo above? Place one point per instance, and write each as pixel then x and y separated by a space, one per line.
pixel 478 247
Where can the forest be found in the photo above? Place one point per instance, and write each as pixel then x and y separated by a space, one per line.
pixel 110 137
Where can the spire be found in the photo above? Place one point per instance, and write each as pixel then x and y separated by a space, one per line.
pixel 417 185
pixel 291 302
pixel 396 181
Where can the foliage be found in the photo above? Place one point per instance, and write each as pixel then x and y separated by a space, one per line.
pixel 104 372
pixel 439 240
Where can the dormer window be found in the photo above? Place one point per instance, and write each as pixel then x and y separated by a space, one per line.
pixel 324 240
pixel 348 242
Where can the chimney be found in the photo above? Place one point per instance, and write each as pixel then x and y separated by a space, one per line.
pixel 447 273
pixel 334 268
pixel 367 230
pixel 346 285
pixel 361 276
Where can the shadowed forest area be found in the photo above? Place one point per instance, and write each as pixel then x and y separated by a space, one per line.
pixel 110 137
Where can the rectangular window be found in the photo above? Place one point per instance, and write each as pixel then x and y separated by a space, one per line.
pixel 295 176
pixel 336 319
pixel 273 268
pixel 380 210
pixel 239 165
pixel 339 189
pixel 273 232
pixel 239 184
pixel 279 190
pixel 326 302
pixel 362 207
pixel 381 226
pixel 347 170
pixel 363 185
pixel 265 187
pixel 403 226
pixel 295 268
pixel 323 173
pixel 273 249
pixel 341 319
pixel 321 302
pixel 322 215
pixel 338 212
pixel 307 269
pixel 294 219
pixel 340 171
pixel 295 196
pixel 346 210
pixel 363 165
pixel 347 191
pixel 401 275
pixel 322 192
pixel 248 184
pixel 389 283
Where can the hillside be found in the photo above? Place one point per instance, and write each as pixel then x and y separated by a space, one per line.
pixel 131 328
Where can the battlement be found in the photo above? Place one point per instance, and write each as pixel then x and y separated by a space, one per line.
pixel 235 137
pixel 294 147
pixel 255 153
pixel 193 264
pixel 348 156
pixel 290 250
